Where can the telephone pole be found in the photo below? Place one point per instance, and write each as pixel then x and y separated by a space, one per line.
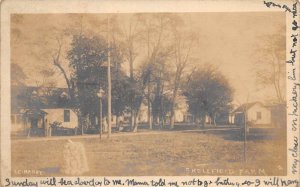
pixel 109 83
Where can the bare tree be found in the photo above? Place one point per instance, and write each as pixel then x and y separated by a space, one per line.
pixel 270 68
pixel 57 62
pixel 153 36
pixel 183 42
pixel 130 35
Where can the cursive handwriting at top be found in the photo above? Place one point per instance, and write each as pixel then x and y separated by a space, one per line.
pixel 270 4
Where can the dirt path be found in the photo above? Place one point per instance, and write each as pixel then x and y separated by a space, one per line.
pixel 104 136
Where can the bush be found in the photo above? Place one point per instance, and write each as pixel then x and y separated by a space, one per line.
pixel 55 124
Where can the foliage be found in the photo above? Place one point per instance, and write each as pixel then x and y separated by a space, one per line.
pixel 88 59
pixel 55 124
pixel 121 93
pixel 208 92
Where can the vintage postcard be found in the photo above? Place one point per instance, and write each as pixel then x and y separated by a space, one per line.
pixel 150 93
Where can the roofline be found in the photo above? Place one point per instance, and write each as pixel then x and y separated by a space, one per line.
pixel 247 108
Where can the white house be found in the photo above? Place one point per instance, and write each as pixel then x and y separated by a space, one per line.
pixel 37 117
pixel 66 116
pixel 180 114
pixel 39 120
pixel 255 113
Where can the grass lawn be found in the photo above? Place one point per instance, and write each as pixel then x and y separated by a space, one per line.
pixel 176 153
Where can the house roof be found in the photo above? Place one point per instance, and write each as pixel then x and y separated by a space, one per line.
pixel 246 106
pixel 34 112
pixel 46 98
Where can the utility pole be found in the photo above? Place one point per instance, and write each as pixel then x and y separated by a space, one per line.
pixel 109 83
pixel 100 118
pixel 245 134
pixel 100 95
pixel 245 128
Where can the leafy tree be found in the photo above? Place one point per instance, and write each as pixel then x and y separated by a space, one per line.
pixel 160 85
pixel 88 73
pixel 121 93
pixel 208 92
pixel 87 56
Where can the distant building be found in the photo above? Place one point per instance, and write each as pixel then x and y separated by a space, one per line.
pixel 180 114
pixel 259 115
pixel 255 113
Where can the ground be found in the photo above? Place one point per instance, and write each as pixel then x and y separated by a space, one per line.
pixel 157 153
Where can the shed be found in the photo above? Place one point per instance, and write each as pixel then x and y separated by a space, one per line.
pixel 255 114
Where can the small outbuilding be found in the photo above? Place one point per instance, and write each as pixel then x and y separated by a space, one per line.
pixel 256 114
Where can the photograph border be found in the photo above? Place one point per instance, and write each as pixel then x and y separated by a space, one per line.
pixel 9 7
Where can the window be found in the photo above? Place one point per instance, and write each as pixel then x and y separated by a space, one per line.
pixel 66 115
pixel 258 115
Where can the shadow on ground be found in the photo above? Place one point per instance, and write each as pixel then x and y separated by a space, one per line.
pixel 238 135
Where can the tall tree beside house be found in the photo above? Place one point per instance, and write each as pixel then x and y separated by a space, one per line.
pixel 270 68
pixel 136 96
pixel 86 58
pixel 121 93
pixel 88 73
pixel 183 42
pixel 123 37
pixel 162 104
pixel 160 83
pixel 122 50
pixel 154 32
pixel 129 38
pixel 208 92
pixel 162 39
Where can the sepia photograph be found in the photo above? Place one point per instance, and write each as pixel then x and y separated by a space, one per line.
pixel 148 94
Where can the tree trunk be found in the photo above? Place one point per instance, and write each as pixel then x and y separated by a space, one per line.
pixel 131 120
pixel 149 108
pixel 79 121
pixel 198 121
pixel 82 130
pixel 80 126
pixel 158 122
pixel 163 121
pixel 117 122
pixel 155 119
pixel 214 120
pixel 135 127
pixel 176 82
pixel 172 117
pixel 202 121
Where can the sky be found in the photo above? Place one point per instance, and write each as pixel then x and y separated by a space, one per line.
pixel 229 41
